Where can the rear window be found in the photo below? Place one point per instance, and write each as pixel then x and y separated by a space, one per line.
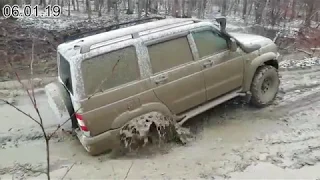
pixel 64 73
pixel 110 70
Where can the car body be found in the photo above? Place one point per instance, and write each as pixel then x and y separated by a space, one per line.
pixel 176 67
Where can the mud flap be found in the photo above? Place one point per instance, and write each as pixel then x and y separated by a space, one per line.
pixel 61 105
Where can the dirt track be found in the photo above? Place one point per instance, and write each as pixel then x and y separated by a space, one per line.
pixel 232 141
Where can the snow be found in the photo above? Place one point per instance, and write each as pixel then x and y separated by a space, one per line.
pixel 301 63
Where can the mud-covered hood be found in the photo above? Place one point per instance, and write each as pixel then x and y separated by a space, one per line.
pixel 250 39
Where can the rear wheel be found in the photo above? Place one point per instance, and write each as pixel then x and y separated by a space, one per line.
pixel 265 86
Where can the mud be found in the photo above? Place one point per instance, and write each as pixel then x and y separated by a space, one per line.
pixel 152 128
pixel 233 140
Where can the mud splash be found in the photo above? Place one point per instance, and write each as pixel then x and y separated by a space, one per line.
pixel 152 128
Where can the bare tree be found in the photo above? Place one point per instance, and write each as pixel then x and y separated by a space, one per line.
pixel 310 5
pixel 259 8
pixel 244 8
pixel 78 8
pixel 176 8
pixel 130 7
pixel 224 8
pixel 88 5
pixel 190 8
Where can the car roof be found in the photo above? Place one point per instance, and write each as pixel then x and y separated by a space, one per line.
pixel 68 49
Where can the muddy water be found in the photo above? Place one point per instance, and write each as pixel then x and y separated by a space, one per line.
pixel 231 141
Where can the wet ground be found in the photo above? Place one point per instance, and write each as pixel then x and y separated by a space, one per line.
pixel 233 140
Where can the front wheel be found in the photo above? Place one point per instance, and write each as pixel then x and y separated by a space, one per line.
pixel 265 86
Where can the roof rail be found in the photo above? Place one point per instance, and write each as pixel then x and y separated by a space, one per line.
pixel 134 32
pixel 78 35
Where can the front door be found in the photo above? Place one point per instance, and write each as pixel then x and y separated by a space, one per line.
pixel 177 78
pixel 223 69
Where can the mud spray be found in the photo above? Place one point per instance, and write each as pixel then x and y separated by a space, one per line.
pixel 152 128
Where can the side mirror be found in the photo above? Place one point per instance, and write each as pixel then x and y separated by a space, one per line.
pixel 223 23
pixel 233 45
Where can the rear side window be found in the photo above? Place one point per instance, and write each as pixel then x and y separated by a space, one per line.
pixel 64 73
pixel 110 70
pixel 209 43
pixel 168 54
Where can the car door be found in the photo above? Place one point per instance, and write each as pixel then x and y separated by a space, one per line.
pixel 178 79
pixel 222 68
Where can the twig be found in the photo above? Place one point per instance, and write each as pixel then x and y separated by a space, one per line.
pixel 18 109
pixel 65 174
pixel 309 53
pixel 50 136
pixel 31 69
pixel 128 171
pixel 277 36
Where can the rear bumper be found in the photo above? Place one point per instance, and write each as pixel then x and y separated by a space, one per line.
pixel 101 143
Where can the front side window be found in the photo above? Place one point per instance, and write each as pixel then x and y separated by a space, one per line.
pixel 209 43
pixel 65 73
pixel 168 54
pixel 110 70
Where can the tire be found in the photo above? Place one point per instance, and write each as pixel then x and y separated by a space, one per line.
pixel 265 86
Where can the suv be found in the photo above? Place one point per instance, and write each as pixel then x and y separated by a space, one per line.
pixel 175 67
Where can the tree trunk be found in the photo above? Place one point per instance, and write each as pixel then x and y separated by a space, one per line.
pixel 147 7
pixel 139 4
pixel 109 3
pixel 293 10
pixel 101 3
pixel 74 5
pixel 78 8
pixel 116 12
pixel 244 8
pixel 250 9
pixel 176 9
pixel 88 5
pixel 130 7
pixel 190 8
pixel 224 8
pixel 183 8
pixel 236 7
pixel 259 8
pixel 310 10
pixel 96 5
pixel 69 7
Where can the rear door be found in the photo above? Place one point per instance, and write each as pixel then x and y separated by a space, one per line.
pixel 223 69
pixel 177 78
pixel 114 86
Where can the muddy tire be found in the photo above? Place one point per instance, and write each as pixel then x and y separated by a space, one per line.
pixel 265 86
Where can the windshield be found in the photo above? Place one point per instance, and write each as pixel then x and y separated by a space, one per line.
pixel 64 73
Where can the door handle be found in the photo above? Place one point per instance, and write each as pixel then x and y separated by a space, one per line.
pixel 160 79
pixel 207 64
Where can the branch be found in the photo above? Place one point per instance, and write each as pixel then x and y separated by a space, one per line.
pixel 65 174
pixel 50 136
pixel 309 53
pixel 128 171
pixel 18 109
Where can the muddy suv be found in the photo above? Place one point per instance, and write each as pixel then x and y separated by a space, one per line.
pixel 176 68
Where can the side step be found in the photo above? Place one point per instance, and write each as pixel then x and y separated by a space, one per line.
pixel 202 108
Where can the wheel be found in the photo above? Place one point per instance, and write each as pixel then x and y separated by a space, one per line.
pixel 265 86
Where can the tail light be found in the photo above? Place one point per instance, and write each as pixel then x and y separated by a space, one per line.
pixel 83 127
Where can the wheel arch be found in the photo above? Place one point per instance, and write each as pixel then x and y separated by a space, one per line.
pixel 269 58
pixel 125 117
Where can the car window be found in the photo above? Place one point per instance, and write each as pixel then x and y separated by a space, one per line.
pixel 168 54
pixel 209 43
pixel 110 70
pixel 64 73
